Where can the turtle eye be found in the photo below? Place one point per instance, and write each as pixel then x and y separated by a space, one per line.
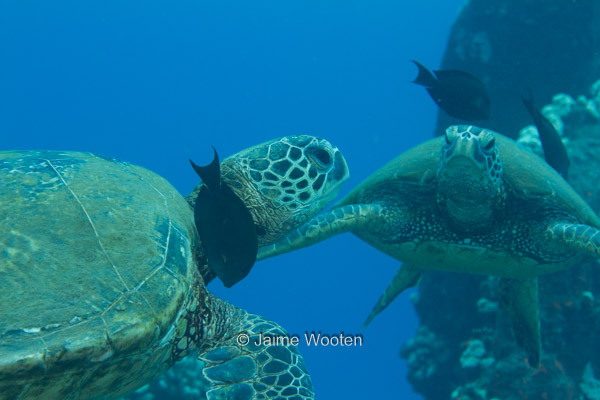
pixel 319 156
pixel 490 144
pixel 451 136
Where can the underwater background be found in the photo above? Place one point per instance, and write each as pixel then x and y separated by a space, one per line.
pixel 155 83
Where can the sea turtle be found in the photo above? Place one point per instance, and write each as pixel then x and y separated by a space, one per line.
pixel 471 201
pixel 100 289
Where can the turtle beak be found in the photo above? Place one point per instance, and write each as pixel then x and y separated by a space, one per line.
pixel 460 162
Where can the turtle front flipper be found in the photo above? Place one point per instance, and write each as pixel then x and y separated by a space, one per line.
pixel 250 358
pixel 324 226
pixel 406 277
pixel 519 298
pixel 577 237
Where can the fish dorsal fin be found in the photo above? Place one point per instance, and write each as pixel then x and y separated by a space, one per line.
pixel 425 77
pixel 210 174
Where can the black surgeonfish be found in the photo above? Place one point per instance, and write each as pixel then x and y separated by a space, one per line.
pixel 459 93
pixel 554 149
pixel 225 226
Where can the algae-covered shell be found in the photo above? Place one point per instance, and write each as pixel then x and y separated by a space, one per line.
pixel 95 268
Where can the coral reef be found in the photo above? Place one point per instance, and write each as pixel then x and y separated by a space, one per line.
pixel 184 381
pixel 577 121
pixel 513 45
pixel 590 386
pixel 464 348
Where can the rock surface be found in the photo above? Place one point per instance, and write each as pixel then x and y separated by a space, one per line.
pixel 550 46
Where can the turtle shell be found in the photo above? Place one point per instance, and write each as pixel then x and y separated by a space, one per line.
pixel 527 175
pixel 95 266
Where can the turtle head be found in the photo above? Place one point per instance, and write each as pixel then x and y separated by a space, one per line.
pixel 285 182
pixel 470 185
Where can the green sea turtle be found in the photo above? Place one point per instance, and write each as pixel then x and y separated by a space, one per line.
pixel 472 201
pixel 100 289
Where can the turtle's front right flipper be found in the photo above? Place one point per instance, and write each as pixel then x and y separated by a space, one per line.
pixel 406 277
pixel 324 226
pixel 253 358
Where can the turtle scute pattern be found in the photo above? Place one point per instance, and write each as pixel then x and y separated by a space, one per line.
pixel 80 306
pixel 580 236
pixel 255 372
pixel 238 371
pixel 100 292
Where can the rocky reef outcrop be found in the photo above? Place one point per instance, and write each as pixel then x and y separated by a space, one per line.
pixel 464 348
pixel 184 381
pixel 550 46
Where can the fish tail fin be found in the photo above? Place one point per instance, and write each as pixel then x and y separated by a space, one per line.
pixel 210 174
pixel 528 101
pixel 425 76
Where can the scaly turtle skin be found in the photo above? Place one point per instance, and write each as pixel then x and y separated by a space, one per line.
pixel 472 201
pixel 100 289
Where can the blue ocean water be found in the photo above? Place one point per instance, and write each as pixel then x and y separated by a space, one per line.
pixel 157 82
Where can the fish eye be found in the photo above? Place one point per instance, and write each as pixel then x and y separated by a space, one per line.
pixel 319 156
pixel 490 144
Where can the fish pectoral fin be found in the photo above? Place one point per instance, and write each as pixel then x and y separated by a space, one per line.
pixel 406 277
pixel 519 299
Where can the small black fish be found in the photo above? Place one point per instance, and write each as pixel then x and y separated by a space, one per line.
pixel 554 149
pixel 459 93
pixel 225 226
